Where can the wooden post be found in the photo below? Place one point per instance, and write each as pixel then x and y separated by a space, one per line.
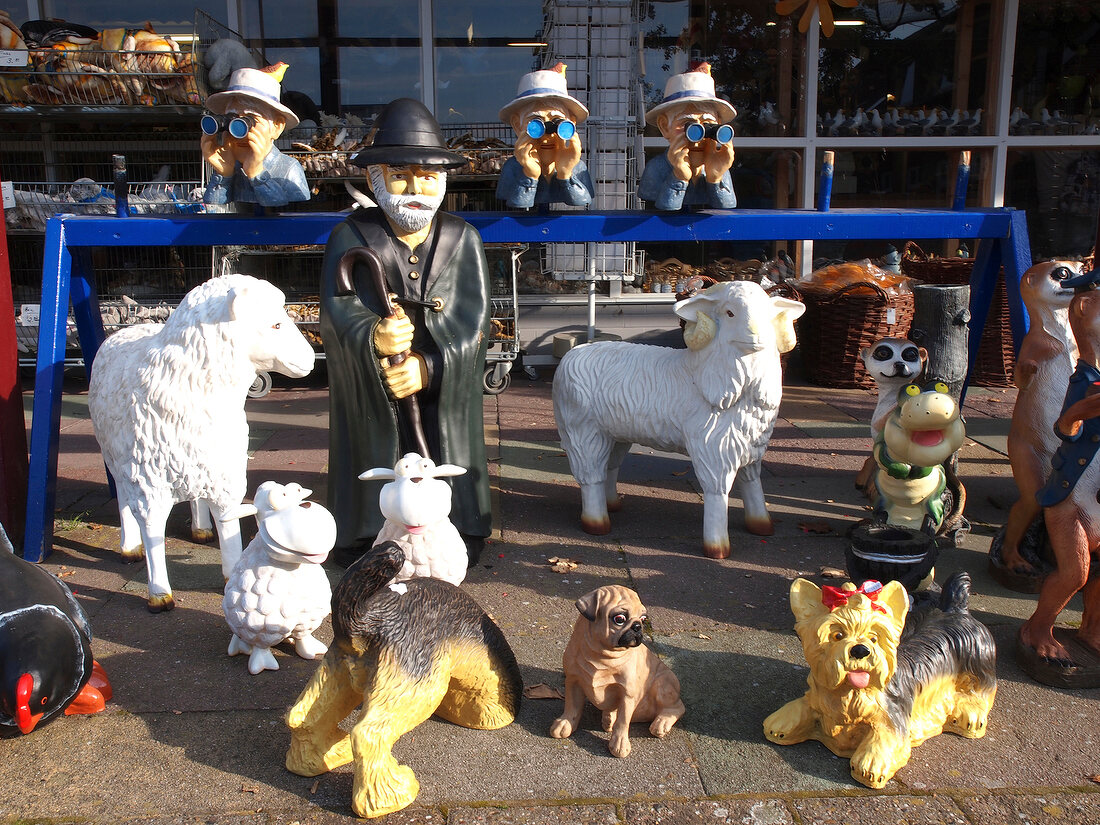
pixel 941 315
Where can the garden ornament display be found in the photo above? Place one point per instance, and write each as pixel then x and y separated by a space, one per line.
pixel 238 141
pixel 416 504
pixel 434 263
pixel 1060 656
pixel 716 401
pixel 546 165
pixel 607 663
pixel 278 590
pixel 695 170
pixel 1017 557
pixel 881 683
pixel 403 656
pixel 892 363
pixel 167 405
pixel 46 665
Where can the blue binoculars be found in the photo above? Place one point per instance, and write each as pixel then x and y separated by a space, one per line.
pixel 697 131
pixel 236 125
pixel 537 127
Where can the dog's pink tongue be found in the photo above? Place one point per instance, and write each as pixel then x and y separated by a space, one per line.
pixel 859 678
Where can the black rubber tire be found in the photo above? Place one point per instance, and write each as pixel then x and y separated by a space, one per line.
pixel 885 553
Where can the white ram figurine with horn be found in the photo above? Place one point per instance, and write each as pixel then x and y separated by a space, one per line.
pixel 715 401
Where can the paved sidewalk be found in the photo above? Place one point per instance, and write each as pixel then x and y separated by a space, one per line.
pixel 192 738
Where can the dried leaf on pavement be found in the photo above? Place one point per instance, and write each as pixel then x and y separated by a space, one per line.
pixel 815 527
pixel 562 565
pixel 541 691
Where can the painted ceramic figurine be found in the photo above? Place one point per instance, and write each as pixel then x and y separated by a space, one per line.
pixel 404 656
pixel 922 433
pixel 893 363
pixel 1042 373
pixel 1059 656
pixel 435 264
pixel 278 590
pixel 881 683
pixel 167 405
pixel 716 401
pixel 416 504
pixel 46 665
pixel 607 663
pixel 546 165
pixel 238 141
pixel 695 170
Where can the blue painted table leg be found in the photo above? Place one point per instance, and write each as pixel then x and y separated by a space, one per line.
pixel 89 319
pixel 983 280
pixel 46 412
pixel 1016 255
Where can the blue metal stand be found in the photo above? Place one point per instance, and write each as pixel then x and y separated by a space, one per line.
pixel 67 275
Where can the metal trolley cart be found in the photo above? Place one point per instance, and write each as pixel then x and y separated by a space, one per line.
pixel 504 316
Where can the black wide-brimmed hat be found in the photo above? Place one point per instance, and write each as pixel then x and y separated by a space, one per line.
pixel 406 134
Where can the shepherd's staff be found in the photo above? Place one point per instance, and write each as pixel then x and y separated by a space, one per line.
pixel 408 407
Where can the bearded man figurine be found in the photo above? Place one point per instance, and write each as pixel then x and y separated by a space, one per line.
pixel 434 263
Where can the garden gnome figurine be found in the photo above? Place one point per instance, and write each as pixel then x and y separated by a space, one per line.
pixel 238 141
pixel 695 171
pixel 434 263
pixel 546 166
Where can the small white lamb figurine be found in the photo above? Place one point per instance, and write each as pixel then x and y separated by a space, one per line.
pixel 416 505
pixel 278 590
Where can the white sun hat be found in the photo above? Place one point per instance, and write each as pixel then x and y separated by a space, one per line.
pixel 257 84
pixel 693 86
pixel 545 85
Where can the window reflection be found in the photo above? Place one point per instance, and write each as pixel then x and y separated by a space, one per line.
pixel 754 57
pixel 372 76
pixel 470 19
pixel 473 83
pixel 377 18
pixel 167 16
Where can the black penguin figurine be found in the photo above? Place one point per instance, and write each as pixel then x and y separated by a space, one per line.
pixel 46 665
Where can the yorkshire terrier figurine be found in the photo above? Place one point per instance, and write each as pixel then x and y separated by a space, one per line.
pixel 878 686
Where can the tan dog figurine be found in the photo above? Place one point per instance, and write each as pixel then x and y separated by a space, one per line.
pixel 607 664
pixel 874 695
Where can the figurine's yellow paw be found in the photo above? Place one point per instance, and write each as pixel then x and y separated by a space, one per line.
pixel 202 535
pixel 873 768
pixel 394 790
pixel 969 722
pixel 781 726
pixel 160 603
pixel 561 728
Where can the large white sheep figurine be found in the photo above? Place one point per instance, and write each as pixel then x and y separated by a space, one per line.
pixel 167 405
pixel 278 590
pixel 416 505
pixel 715 401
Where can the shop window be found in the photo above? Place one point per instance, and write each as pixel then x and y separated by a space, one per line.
pixel 754 56
pixel 1056 74
pixel 902 178
pixel 167 16
pixel 905 68
pixel 473 83
pixel 1060 189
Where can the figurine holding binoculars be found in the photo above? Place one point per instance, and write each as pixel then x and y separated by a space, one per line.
pixel 238 141
pixel 695 171
pixel 546 165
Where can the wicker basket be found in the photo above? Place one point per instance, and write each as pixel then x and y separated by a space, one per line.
pixel 837 325
pixel 996 356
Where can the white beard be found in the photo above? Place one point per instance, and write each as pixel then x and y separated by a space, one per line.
pixel 411 212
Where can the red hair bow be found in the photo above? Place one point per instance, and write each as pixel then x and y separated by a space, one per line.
pixel 834 597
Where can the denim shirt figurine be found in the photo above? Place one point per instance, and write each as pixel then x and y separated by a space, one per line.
pixel 546 166
pixel 238 141
pixel 695 170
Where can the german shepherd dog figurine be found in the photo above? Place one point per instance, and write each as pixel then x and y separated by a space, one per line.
pixel 403 656
pixel 878 686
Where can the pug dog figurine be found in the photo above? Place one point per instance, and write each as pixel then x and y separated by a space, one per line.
pixel 606 664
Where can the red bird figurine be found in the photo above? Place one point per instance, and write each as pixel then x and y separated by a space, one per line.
pixel 46 665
